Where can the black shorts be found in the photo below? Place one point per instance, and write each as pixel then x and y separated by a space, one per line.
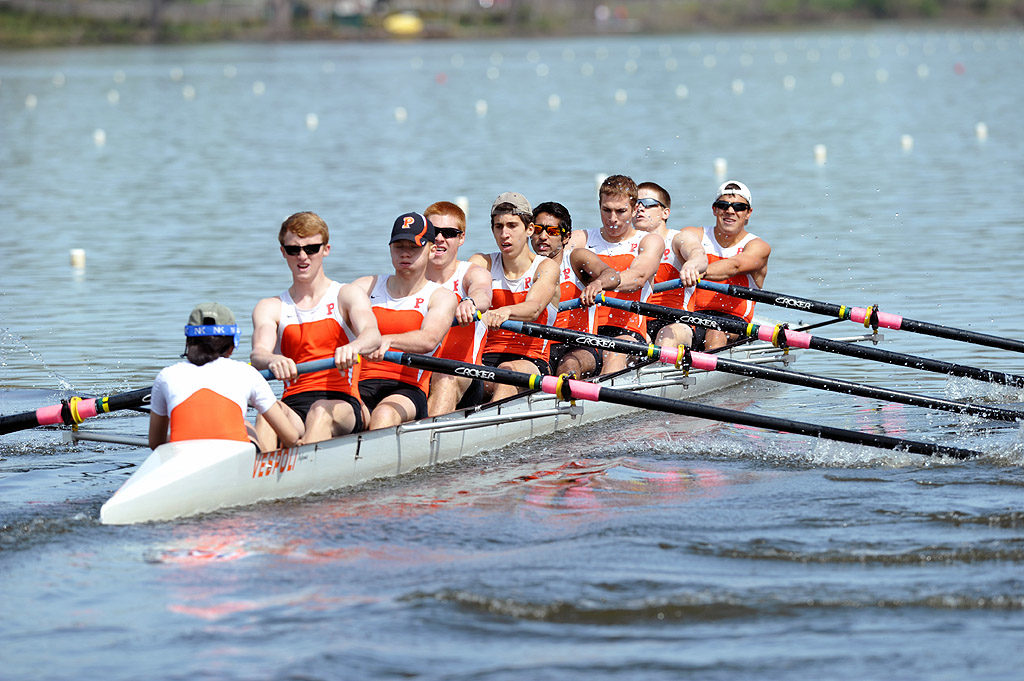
pixel 300 403
pixel 560 350
pixel 656 325
pixel 613 331
pixel 493 359
pixel 375 390
pixel 700 332
pixel 473 396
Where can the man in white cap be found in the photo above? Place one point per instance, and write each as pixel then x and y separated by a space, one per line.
pixel 524 287
pixel 735 256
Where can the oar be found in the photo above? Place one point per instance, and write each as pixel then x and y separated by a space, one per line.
pixel 74 410
pixel 869 316
pixel 781 336
pixel 684 358
pixel 571 389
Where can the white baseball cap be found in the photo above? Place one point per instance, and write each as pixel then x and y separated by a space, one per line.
pixel 739 189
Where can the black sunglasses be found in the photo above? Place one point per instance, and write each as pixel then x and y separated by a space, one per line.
pixel 448 232
pixel 737 206
pixel 309 249
pixel 650 203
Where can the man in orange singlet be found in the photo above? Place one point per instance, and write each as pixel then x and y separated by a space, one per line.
pixel 315 318
pixel 581 275
pixel 735 256
pixel 524 287
pixel 472 284
pixel 633 254
pixel 683 259
pixel 413 315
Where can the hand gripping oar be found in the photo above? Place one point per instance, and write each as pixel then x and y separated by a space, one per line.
pixel 571 389
pixel 74 410
pixel 781 336
pixel 869 316
pixel 685 359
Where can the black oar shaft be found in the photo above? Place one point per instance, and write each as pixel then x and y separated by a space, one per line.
pixel 717 363
pixel 584 390
pixel 782 336
pixel 864 315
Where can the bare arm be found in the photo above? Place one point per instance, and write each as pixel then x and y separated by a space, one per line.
pixel 544 291
pixel 355 307
pixel 158 424
pixel 265 318
pixel 282 425
pixel 687 244
pixel 477 284
pixel 753 260
pixel 594 272
pixel 644 265
pixel 436 323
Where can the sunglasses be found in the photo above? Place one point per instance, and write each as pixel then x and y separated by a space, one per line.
pixel 448 232
pixel 737 206
pixel 552 230
pixel 650 203
pixel 308 249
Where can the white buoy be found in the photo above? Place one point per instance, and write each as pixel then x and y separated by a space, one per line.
pixel 230 71
pixel 463 203
pixel 59 80
pixel 789 83
pixel 671 64
pixel 710 61
pixel 554 102
pixel 533 56
pixel 542 70
pixel 177 73
pixel 682 92
pixel 188 92
pixel 631 66
pixel 401 115
pixel 737 87
pixel 721 168
pixel 78 258
pixel 99 137
pixel 113 96
pixel 493 73
pixel 922 71
pixel 820 154
pixel 586 69
pixel 119 76
pixel 906 142
pixel 981 131
pixel 259 88
pixel 481 107
pixel 312 121
pixel 838 78
pixel 620 96
pixel 882 76
pixel 31 102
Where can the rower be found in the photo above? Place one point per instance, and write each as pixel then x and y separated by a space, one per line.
pixel 524 287
pixel 635 255
pixel 683 259
pixel 735 256
pixel 206 397
pixel 413 315
pixel 313 319
pixel 472 284
pixel 581 275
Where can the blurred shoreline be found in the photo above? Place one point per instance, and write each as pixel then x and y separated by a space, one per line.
pixel 54 23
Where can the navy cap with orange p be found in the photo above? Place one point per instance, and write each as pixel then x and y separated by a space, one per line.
pixel 412 227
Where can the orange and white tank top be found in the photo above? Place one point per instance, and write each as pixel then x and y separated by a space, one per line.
pixel 702 300
pixel 580 318
pixel 668 270
pixel 462 343
pixel 304 335
pixel 398 315
pixel 620 256
pixel 504 292
pixel 209 401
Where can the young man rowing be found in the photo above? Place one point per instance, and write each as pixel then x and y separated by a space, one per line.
pixel 633 254
pixel 472 284
pixel 413 315
pixel 683 259
pixel 524 287
pixel 313 319
pixel 582 275
pixel 735 256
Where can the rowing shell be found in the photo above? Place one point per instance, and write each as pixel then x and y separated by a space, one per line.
pixel 190 477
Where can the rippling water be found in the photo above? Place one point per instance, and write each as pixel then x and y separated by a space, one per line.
pixel 651 547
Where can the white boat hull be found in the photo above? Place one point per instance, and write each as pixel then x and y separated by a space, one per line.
pixel 191 477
